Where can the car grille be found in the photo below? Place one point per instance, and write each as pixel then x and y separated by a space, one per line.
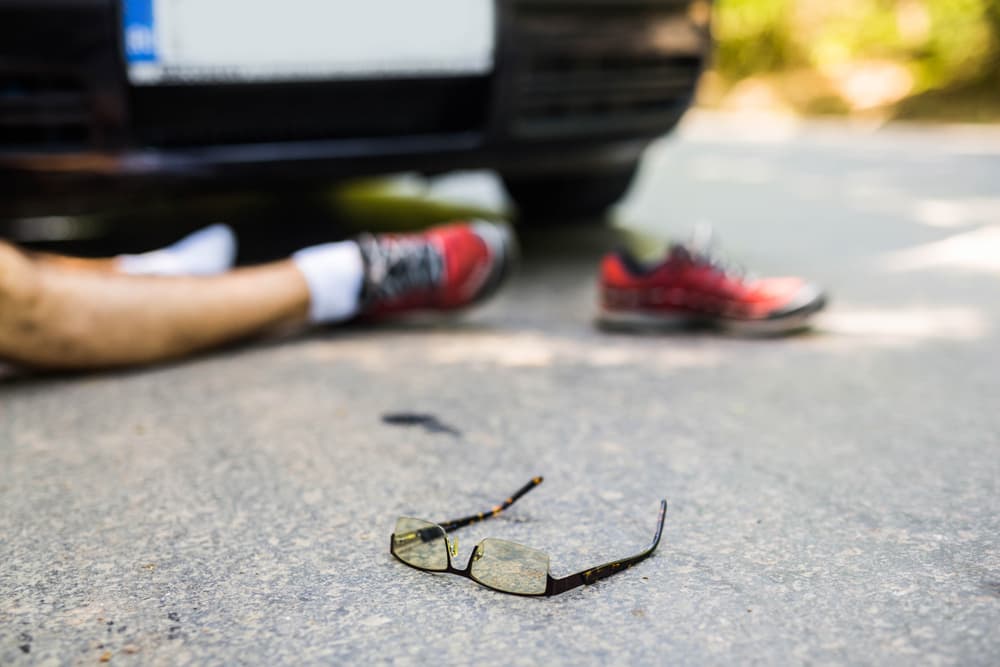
pixel 55 86
pixel 598 68
pixel 42 108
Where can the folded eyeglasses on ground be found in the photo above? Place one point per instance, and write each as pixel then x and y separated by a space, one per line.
pixel 504 566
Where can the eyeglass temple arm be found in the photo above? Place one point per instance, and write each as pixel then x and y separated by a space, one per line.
pixel 594 574
pixel 455 524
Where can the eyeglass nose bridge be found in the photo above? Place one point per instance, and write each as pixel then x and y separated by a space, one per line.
pixel 476 554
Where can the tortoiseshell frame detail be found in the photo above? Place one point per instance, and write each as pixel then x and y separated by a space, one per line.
pixel 553 586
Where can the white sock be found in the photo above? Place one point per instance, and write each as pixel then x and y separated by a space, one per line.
pixel 334 273
pixel 206 252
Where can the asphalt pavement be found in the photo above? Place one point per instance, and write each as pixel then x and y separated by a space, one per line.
pixel 833 496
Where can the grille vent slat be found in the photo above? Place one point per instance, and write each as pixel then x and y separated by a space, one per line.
pixel 604 67
pixel 42 108
pixel 56 60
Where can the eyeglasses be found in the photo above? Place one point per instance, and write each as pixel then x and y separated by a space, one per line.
pixel 504 566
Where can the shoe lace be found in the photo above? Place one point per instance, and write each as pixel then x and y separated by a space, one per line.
pixel 398 265
pixel 703 249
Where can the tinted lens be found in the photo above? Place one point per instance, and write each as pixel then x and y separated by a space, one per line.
pixel 510 567
pixel 420 544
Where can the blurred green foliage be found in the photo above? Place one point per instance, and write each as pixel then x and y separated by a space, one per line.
pixel 754 36
pixel 943 44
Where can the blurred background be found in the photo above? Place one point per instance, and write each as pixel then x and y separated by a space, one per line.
pixel 929 60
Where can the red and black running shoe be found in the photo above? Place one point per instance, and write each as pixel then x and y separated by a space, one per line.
pixel 688 288
pixel 443 268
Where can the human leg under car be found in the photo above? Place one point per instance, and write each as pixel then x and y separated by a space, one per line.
pixel 64 314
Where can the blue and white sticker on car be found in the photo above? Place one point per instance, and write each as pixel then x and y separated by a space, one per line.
pixel 219 41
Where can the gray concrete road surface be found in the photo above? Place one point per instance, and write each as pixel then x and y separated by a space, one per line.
pixel 833 497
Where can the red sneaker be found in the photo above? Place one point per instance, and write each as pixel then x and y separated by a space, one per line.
pixel 688 288
pixel 443 268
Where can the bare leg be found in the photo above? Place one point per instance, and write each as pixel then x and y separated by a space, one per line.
pixel 106 265
pixel 58 312
pixel 52 316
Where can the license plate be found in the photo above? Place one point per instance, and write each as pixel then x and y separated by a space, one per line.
pixel 219 41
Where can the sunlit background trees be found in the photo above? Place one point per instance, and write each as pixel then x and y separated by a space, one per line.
pixel 933 59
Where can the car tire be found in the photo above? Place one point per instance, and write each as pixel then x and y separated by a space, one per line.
pixel 568 197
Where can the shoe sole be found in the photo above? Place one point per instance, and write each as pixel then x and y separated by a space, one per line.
pixel 503 248
pixel 792 322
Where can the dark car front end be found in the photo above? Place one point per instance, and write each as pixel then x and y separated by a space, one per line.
pixel 571 88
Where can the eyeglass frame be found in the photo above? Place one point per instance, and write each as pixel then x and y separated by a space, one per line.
pixel 553 586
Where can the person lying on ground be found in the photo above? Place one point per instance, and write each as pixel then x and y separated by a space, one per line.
pixel 59 312
pixel 70 313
